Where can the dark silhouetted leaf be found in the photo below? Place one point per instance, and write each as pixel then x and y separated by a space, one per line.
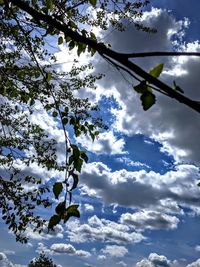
pixel 54 220
pixel 57 189
pixel 60 208
pixel 60 40
pixel 148 99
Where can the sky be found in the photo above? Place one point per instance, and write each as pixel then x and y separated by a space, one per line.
pixel 138 194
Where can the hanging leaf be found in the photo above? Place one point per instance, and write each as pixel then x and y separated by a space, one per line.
pixel 49 77
pixel 60 40
pixel 71 211
pixel 54 220
pixel 93 2
pixel 156 71
pixel 177 88
pixel 148 100
pixel 75 182
pixel 84 156
pixel 141 88
pixel 57 189
pixel 54 114
pixel 49 4
pixel 78 164
pixel 60 208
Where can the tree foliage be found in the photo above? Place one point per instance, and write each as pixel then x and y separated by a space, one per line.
pixel 30 78
pixel 42 261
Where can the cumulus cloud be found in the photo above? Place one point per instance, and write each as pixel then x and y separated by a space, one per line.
pixel 69 249
pixel 5 262
pixel 142 189
pixel 115 251
pixel 62 248
pixel 101 257
pixel 194 264
pixel 102 230
pixel 154 260
pixel 88 207
pixel 122 263
pixel 129 162
pixel 45 234
pixel 150 220
pixel 106 143
pixel 168 122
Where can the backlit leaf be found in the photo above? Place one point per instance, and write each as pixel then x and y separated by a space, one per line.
pixel 156 71
pixel 148 99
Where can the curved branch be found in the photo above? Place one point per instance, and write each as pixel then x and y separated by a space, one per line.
pixel 103 50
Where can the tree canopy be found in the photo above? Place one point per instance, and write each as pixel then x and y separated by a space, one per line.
pixel 42 261
pixel 31 79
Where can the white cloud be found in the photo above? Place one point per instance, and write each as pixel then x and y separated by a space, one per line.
pixel 101 257
pixel 147 219
pixel 154 260
pixel 102 230
pixel 4 261
pixel 45 234
pixel 122 263
pixel 69 249
pixel 115 251
pixel 105 143
pixel 132 163
pixel 88 207
pixel 62 248
pixel 197 248
pixel 194 264
pixel 168 122
pixel 142 189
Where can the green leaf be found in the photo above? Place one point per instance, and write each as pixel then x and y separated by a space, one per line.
pixel 93 2
pixel 57 189
pixel 54 220
pixel 75 178
pixel 34 2
pixel 37 74
pixel 97 133
pixel 71 45
pixel 55 114
pixel 60 208
pixel 198 184
pixel 84 156
pixel 93 36
pixel 71 211
pixel 71 159
pixel 78 164
pixel 148 99
pixel 81 48
pixel 156 71
pixel 67 39
pixel 65 120
pixel 49 77
pixel 177 88
pixel 141 88
pixel 76 151
pixel 49 4
pixel 60 40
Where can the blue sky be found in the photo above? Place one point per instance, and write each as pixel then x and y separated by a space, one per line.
pixel 138 194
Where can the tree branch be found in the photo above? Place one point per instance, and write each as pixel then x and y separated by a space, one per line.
pixel 160 54
pixel 103 50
